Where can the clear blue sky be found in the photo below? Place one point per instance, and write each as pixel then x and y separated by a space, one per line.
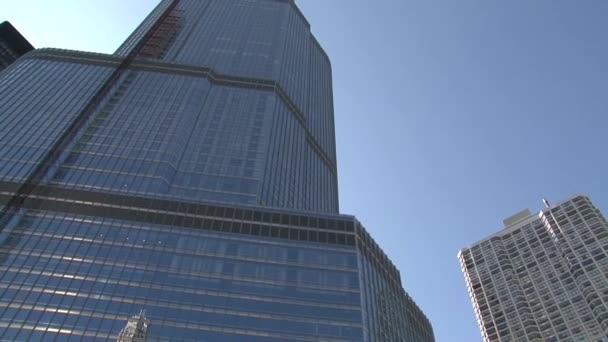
pixel 450 116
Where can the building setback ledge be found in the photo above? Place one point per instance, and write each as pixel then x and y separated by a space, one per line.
pixel 210 74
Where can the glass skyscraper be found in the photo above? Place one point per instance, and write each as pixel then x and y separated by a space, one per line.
pixel 192 174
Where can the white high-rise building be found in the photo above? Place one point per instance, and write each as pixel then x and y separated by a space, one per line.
pixel 543 277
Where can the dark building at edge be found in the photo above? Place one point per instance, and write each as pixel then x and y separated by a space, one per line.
pixel 190 177
pixel 12 44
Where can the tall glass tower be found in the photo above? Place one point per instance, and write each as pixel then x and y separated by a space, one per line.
pixel 192 174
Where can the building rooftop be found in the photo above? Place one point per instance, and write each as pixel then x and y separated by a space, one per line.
pixel 523 217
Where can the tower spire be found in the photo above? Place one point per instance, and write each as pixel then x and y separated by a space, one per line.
pixel 136 328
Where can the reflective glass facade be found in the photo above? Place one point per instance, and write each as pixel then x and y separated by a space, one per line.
pixel 265 42
pixel 191 175
pixel 213 273
pixel 76 264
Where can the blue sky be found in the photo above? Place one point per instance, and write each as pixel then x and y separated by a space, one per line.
pixel 450 116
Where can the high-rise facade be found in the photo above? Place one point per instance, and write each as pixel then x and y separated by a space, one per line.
pixel 544 277
pixel 12 44
pixel 191 174
pixel 226 101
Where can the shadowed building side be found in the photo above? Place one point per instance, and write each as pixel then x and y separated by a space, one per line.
pixel 12 45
